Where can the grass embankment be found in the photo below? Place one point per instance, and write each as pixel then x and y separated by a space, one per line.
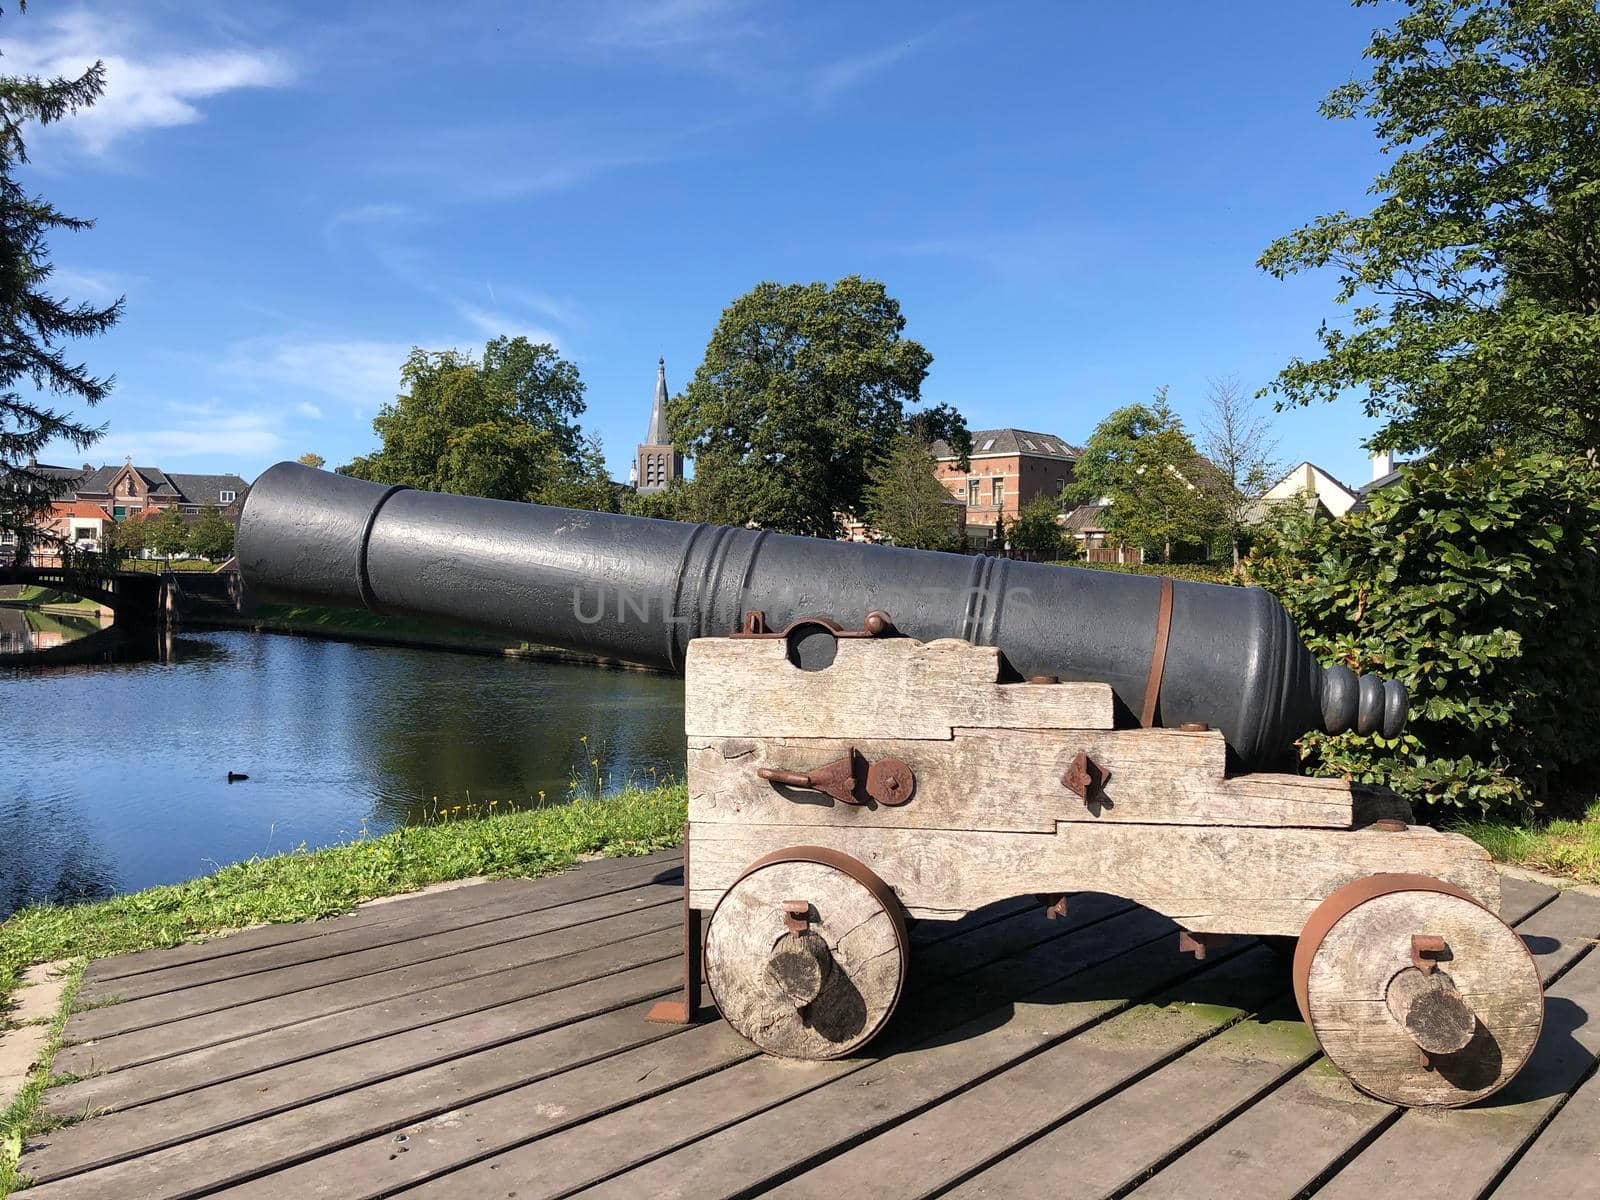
pixel 319 883
pixel 32 596
pixel 356 624
pixel 302 885
pixel 1568 846
pixel 155 566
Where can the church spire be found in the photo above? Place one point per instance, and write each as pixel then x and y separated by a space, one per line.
pixel 656 461
pixel 658 413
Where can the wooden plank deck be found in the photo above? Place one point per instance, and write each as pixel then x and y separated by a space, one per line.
pixel 490 1042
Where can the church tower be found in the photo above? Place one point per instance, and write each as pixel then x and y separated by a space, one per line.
pixel 656 463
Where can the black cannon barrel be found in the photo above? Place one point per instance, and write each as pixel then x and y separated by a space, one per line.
pixel 641 589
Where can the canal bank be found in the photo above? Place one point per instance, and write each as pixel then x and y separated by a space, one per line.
pixel 115 777
pixel 352 625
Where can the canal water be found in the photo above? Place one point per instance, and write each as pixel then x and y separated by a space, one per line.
pixel 114 777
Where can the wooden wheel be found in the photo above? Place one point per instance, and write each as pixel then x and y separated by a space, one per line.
pixel 1418 993
pixel 806 953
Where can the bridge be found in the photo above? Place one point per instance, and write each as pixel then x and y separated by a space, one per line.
pixel 137 597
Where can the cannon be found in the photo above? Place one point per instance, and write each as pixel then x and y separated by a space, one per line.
pixel 877 735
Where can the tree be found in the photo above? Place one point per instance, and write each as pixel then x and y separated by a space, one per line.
pixel 1037 531
pixel 1162 492
pixel 33 323
pixel 312 459
pixel 801 393
pixel 504 428
pixel 906 503
pixel 125 539
pixel 211 535
pixel 1478 586
pixel 166 533
pixel 1475 281
pixel 1239 442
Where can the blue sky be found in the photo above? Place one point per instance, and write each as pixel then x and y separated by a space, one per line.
pixel 1067 199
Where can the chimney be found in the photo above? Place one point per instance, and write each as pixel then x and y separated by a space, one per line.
pixel 1382 464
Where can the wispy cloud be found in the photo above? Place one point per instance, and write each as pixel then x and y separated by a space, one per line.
pixel 97 287
pixel 360 372
pixel 654 25
pixel 366 216
pixel 307 409
pixel 845 73
pixel 492 323
pixel 1010 254
pixel 149 85
pixel 212 432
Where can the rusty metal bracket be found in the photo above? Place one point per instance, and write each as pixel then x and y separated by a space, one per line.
pixel 1055 903
pixel 888 781
pixel 1428 950
pixel 1158 656
pixel 875 624
pixel 683 1011
pixel 1198 944
pixel 1084 776
pixel 797 916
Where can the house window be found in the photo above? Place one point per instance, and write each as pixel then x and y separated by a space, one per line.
pixel 972 493
pixel 1028 442
pixel 997 492
pixel 83 533
pixel 986 445
pixel 227 497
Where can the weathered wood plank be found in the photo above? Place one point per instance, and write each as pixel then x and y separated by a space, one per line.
pixel 226 1049
pixel 1011 780
pixel 936 1148
pixel 1279 1146
pixel 445 919
pixel 1565 1160
pixel 234 1156
pixel 574 884
pixel 1466 1149
pixel 166 1007
pixel 876 687
pixel 711 1144
pixel 1109 1147
pixel 142 1066
pixel 1208 878
pixel 1114 1144
pixel 618 1139
pixel 531 1034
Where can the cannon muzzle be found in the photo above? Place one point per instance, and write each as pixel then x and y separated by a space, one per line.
pixel 641 589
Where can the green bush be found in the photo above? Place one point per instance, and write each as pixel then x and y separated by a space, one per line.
pixel 1198 572
pixel 1475 586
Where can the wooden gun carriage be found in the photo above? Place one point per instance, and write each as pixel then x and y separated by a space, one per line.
pixel 904 780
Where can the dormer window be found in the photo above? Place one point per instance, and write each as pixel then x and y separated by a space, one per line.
pixel 227 497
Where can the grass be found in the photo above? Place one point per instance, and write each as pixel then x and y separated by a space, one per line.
pixel 33 595
pixel 22 1116
pixel 342 622
pixel 1568 846
pixel 155 566
pixel 305 884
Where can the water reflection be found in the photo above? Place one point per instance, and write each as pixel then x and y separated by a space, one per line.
pixel 113 776
pixel 29 630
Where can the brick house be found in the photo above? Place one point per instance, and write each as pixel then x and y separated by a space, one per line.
pixel 1007 469
pixel 125 490
pixel 90 498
